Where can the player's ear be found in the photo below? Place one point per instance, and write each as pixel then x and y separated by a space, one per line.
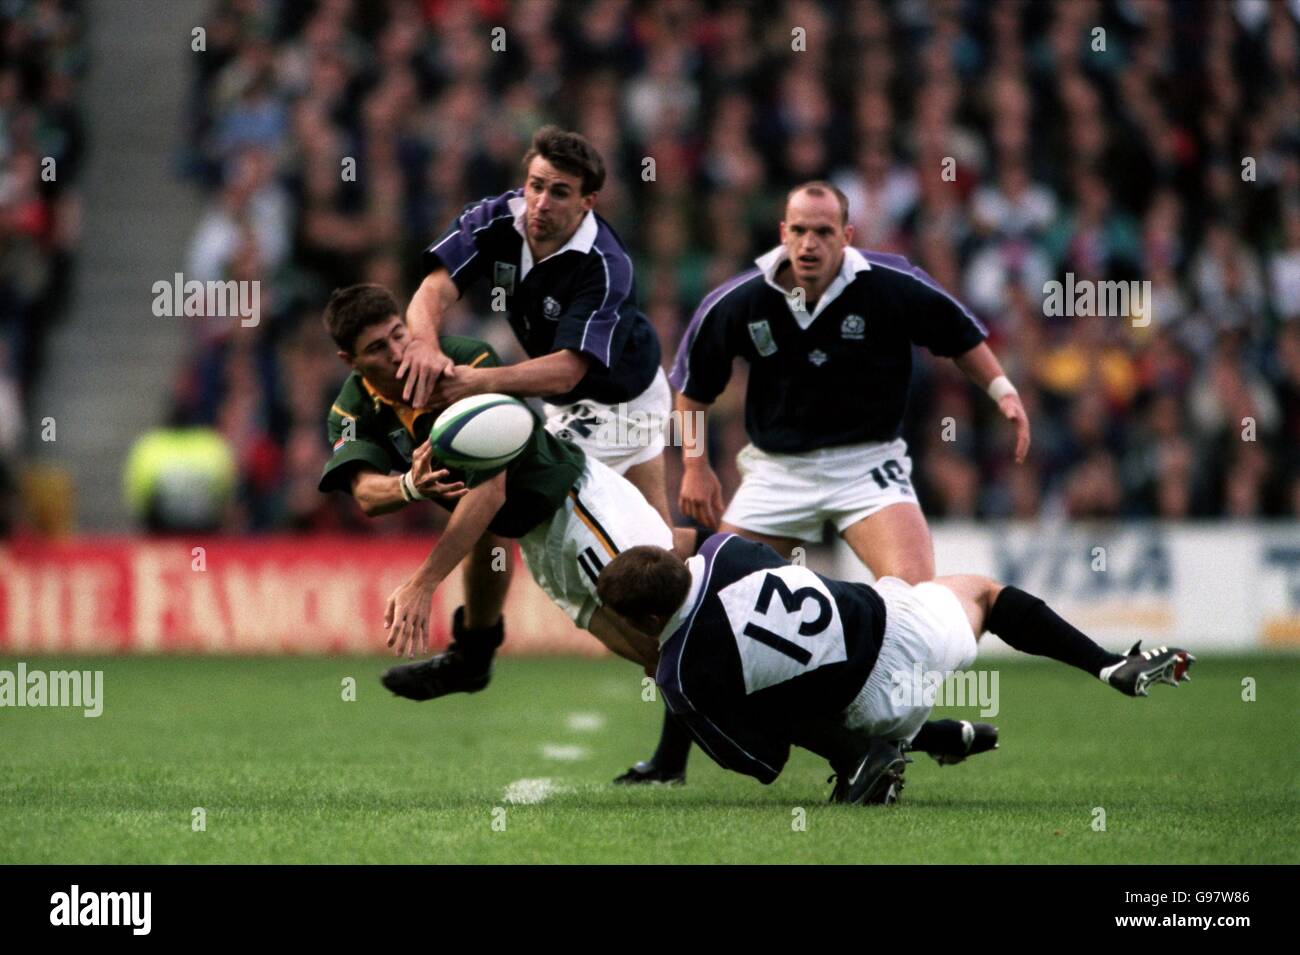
pixel 781 229
pixel 589 200
pixel 347 359
pixel 849 233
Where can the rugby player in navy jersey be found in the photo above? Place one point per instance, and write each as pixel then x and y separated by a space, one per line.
pixel 827 331
pixel 751 652
pixel 567 286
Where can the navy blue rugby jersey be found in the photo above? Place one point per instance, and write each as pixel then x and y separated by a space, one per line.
pixel 833 376
pixel 761 643
pixel 582 297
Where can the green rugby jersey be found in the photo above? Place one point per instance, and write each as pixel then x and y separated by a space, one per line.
pixel 386 433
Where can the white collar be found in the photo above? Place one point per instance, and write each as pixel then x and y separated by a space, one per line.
pixel 854 262
pixel 583 238
pixel 696 566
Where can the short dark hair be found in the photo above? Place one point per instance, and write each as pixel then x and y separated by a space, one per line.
pixel 820 187
pixel 353 309
pixel 643 581
pixel 570 153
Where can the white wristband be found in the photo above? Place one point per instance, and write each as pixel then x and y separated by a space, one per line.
pixel 1000 387
pixel 409 490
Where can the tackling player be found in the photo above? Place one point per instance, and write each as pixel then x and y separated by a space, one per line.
pixel 570 513
pixel 750 648
pixel 567 287
pixel 827 331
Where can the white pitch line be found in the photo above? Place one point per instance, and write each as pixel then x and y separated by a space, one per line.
pixel 585 722
pixel 565 752
pixel 527 792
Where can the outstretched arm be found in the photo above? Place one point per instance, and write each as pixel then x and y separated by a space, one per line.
pixel 407 615
pixel 552 374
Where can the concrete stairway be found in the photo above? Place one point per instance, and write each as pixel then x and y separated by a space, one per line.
pixel 111 362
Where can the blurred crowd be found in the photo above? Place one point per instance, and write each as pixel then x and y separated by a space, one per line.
pixel 42 60
pixel 999 145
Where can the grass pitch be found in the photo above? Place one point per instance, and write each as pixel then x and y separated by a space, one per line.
pixel 286 770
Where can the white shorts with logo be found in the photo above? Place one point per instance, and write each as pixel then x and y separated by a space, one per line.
pixel 602 515
pixel 926 630
pixel 793 495
pixel 620 436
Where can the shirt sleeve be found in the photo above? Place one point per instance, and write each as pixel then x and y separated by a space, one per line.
pixel 936 320
pixel 460 249
pixel 702 366
pixel 351 450
pixel 469 351
pixel 603 296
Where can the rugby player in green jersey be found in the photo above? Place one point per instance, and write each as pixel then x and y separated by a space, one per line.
pixel 570 513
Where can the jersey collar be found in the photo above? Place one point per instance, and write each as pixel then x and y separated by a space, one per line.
pixel 854 262
pixel 583 238
pixel 405 413
pixel 696 566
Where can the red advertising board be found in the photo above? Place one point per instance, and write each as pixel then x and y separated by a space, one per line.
pixel 239 595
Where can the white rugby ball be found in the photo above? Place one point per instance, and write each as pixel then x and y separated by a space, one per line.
pixel 481 432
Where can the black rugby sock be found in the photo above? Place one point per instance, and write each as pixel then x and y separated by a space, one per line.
pixel 1026 623
pixel 477 646
pixel 674 745
pixel 840 746
pixel 939 736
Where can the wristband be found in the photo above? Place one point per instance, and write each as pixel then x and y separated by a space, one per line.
pixel 409 491
pixel 1000 387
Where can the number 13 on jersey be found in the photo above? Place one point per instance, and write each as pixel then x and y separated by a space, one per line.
pixel 785 623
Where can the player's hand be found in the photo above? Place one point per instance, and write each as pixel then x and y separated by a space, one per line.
pixel 407 617
pixel 423 363
pixel 451 388
pixel 1014 412
pixel 701 496
pixel 430 482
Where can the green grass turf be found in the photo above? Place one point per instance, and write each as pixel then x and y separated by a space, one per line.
pixel 289 772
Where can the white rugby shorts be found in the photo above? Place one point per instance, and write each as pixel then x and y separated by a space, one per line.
pixel 793 495
pixel 926 631
pixel 621 435
pixel 602 515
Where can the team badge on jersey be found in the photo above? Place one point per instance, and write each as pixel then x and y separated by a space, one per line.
pixel 550 308
pixel 503 276
pixel 818 357
pixel 853 327
pixel 761 333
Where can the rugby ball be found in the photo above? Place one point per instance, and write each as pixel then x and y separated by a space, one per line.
pixel 481 432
